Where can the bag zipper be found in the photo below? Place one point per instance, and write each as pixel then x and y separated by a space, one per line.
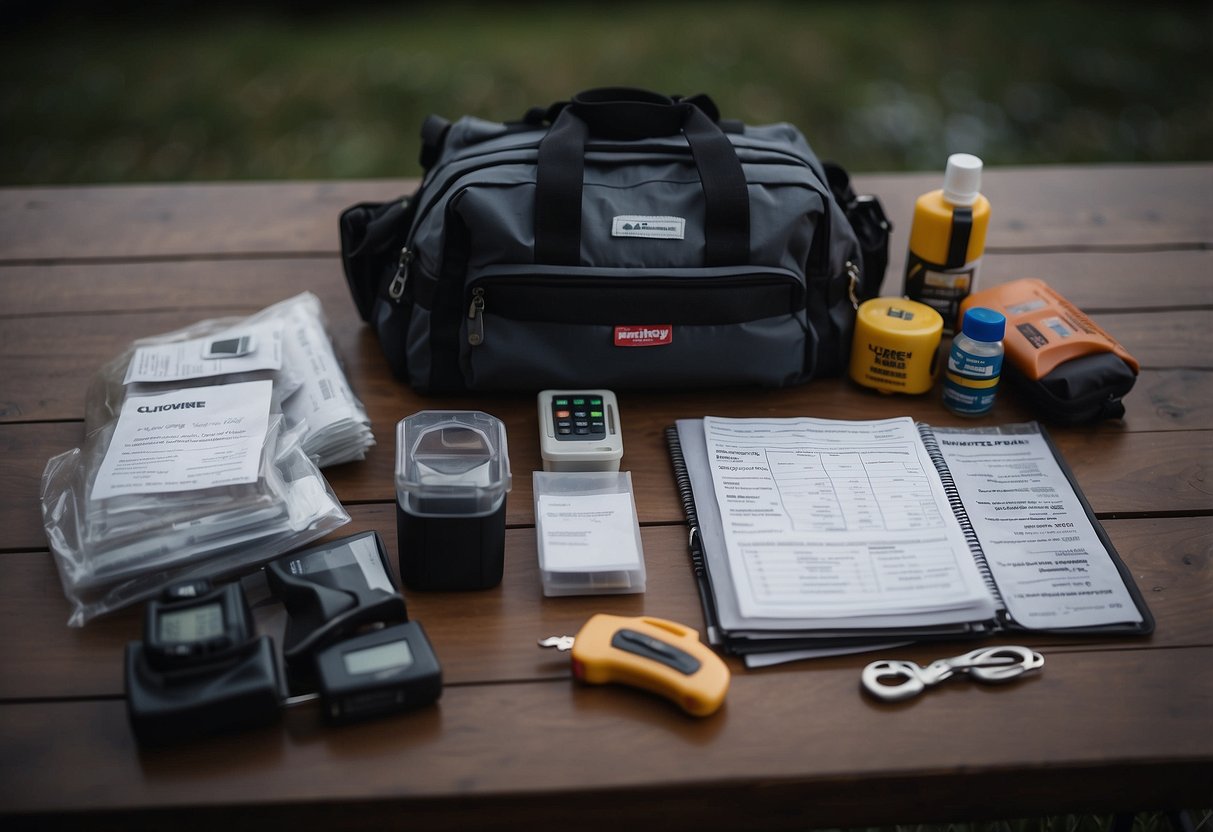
pixel 476 318
pixel 395 289
pixel 478 306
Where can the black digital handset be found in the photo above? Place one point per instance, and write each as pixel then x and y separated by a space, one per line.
pixel 200 668
pixel 330 592
pixel 378 672
pixel 348 636
pixel 192 625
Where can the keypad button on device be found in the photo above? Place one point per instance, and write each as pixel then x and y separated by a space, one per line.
pixel 579 417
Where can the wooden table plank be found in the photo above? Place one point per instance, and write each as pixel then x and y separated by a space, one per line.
pixel 45 380
pixel 1093 280
pixel 1049 207
pixel 45 376
pixel 180 220
pixel 33 349
pixel 1110 723
pixel 555 740
pixel 1121 472
pixel 490 636
pixel 1033 207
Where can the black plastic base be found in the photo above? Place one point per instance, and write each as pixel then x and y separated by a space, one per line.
pixel 169 708
pixel 451 553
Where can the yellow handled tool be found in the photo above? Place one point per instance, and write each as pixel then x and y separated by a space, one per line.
pixel 663 657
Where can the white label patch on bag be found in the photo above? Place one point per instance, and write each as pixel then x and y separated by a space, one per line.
pixel 654 335
pixel 656 228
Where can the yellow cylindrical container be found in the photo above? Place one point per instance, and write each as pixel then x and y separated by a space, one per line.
pixel 896 345
pixel 947 239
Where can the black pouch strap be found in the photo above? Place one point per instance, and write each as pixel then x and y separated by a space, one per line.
pixel 625 114
pixel 871 227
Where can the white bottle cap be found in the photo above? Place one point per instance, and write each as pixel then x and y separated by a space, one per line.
pixel 962 179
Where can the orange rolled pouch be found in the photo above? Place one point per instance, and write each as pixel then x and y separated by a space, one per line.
pixel 1064 364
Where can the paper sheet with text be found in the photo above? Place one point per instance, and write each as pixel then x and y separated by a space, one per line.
pixel 249 347
pixel 1051 567
pixel 199 437
pixel 834 518
pixel 587 532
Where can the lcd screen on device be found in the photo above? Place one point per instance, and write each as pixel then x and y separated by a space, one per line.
pixel 394 654
pixel 229 347
pixel 193 624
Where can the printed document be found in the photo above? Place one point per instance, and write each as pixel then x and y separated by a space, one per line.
pixel 587 532
pixel 200 437
pixel 241 349
pixel 829 519
pixel 338 429
pixel 1050 565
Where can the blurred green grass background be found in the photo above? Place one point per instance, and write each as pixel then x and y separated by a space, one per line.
pixel 174 91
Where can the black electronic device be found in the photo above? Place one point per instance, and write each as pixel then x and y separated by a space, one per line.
pixel 379 672
pixel 192 624
pixel 331 591
pixel 200 668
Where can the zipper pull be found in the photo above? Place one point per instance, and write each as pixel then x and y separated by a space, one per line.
pixel 476 318
pixel 853 283
pixel 396 288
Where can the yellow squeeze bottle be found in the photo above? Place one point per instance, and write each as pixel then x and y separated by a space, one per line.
pixel 947 239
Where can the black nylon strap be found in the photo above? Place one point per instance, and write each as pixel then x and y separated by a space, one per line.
pixel 726 197
pixel 561 170
pixel 958 239
pixel 561 174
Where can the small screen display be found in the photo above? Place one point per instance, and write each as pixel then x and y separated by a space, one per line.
pixel 228 346
pixel 393 655
pixel 233 347
pixel 192 624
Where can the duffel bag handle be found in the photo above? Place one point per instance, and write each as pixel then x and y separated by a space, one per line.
pixel 631 114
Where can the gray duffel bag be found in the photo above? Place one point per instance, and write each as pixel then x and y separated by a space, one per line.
pixel 623 239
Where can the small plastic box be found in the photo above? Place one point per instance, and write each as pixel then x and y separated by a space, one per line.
pixel 452 475
pixel 587 533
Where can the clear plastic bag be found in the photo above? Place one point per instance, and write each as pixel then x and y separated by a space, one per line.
pixel 310 387
pixel 122 528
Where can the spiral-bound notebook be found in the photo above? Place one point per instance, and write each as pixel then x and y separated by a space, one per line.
pixel 808 533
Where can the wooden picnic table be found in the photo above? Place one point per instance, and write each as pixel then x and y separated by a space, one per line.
pixel 1112 724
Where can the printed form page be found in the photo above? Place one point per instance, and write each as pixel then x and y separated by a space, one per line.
pixel 828 518
pixel 1051 567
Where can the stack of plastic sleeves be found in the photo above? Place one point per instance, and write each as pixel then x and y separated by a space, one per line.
pixel 201 457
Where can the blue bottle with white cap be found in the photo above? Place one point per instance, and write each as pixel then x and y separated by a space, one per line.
pixel 975 363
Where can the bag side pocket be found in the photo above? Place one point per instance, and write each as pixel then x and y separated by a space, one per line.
pixel 372 235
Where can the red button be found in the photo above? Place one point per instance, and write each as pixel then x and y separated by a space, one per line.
pixel 562 414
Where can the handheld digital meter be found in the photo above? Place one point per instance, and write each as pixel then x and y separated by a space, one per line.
pixel 200 668
pixel 192 624
pixel 579 430
pixel 378 672
pixel 347 635
pixel 332 590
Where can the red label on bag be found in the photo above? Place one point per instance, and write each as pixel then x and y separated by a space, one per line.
pixel 653 335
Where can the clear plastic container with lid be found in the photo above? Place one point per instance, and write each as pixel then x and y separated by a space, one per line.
pixel 452 476
pixel 975 363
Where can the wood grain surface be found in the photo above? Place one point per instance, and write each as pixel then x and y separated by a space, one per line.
pixel 1112 724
